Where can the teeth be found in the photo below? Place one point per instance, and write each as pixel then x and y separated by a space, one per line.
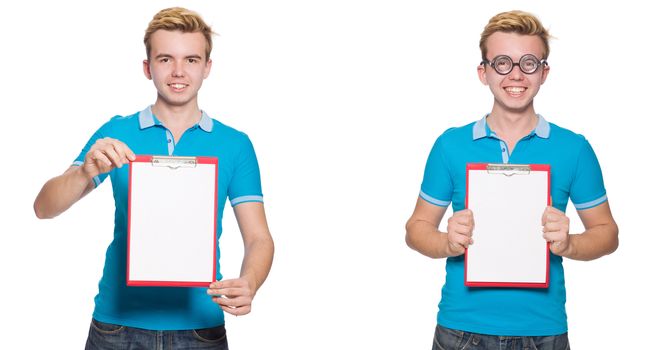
pixel 515 89
pixel 177 86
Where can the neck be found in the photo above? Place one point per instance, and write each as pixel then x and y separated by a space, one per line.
pixel 512 124
pixel 177 118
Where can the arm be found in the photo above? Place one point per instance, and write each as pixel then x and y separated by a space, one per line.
pixel 599 238
pixel 422 232
pixel 258 255
pixel 61 192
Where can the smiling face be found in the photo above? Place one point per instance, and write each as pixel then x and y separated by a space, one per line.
pixel 514 93
pixel 177 65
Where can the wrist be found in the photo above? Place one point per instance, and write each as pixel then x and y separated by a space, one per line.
pixel 84 173
pixel 251 282
pixel 570 250
pixel 448 249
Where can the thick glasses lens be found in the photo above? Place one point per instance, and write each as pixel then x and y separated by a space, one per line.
pixel 529 64
pixel 504 64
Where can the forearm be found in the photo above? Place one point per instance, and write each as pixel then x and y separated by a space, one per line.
pixel 593 243
pixel 423 237
pixel 258 257
pixel 61 192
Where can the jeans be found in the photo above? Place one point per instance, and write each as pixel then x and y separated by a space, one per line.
pixel 106 336
pixel 450 339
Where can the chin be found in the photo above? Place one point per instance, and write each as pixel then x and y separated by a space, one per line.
pixel 176 100
pixel 516 106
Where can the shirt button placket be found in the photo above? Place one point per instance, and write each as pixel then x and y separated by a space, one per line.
pixel 170 144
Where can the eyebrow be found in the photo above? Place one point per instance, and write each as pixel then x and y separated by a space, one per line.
pixel 165 55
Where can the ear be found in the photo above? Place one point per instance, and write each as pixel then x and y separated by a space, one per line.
pixel 208 67
pixel 481 72
pixel 544 74
pixel 147 70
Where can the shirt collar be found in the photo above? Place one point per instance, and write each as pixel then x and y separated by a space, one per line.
pixel 481 129
pixel 147 119
pixel 542 128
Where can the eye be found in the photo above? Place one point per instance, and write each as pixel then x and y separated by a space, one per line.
pixel 529 64
pixel 164 60
pixel 503 63
pixel 192 60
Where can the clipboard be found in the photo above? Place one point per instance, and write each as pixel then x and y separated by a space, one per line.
pixel 508 201
pixel 172 221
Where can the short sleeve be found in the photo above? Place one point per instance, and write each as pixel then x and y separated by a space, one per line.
pixel 587 189
pixel 437 187
pixel 245 183
pixel 99 134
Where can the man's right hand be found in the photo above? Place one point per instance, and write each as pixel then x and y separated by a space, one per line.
pixel 60 192
pixel 105 155
pixel 459 232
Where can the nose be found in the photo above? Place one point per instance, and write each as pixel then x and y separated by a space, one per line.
pixel 178 70
pixel 516 73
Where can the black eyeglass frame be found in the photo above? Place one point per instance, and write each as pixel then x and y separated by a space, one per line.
pixel 491 63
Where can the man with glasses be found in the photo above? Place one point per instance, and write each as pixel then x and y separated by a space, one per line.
pixel 514 47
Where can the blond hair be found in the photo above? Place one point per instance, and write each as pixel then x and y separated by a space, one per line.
pixel 181 19
pixel 514 22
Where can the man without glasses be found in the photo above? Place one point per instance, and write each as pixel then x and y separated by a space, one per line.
pixel 178 46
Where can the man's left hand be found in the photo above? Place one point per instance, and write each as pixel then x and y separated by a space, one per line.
pixel 556 227
pixel 234 296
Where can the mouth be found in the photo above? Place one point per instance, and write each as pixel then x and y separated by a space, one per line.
pixel 177 86
pixel 515 90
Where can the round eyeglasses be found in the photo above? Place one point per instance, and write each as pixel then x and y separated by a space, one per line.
pixel 503 64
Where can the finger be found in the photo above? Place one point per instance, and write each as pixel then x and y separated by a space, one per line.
pixel 549 227
pixel 557 248
pixel 239 311
pixel 552 237
pixel 456 247
pixel 232 302
pixel 120 153
pixel 544 216
pixel 100 159
pixel 228 292
pixel 237 282
pixel 555 211
pixel 463 230
pixel 110 152
pixel 461 240
pixel 464 212
pixel 552 217
pixel 554 227
pixel 463 219
pixel 125 151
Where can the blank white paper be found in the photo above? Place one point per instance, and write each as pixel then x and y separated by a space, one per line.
pixel 508 243
pixel 172 223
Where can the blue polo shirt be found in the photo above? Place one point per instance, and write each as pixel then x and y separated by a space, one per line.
pixel 575 174
pixel 169 308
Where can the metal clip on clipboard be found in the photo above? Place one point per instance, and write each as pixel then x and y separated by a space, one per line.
pixel 174 163
pixel 509 169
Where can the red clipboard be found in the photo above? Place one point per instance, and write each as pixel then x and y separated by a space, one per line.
pixel 172 221
pixel 508 201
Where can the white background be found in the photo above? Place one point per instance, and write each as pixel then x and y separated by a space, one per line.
pixel 343 101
